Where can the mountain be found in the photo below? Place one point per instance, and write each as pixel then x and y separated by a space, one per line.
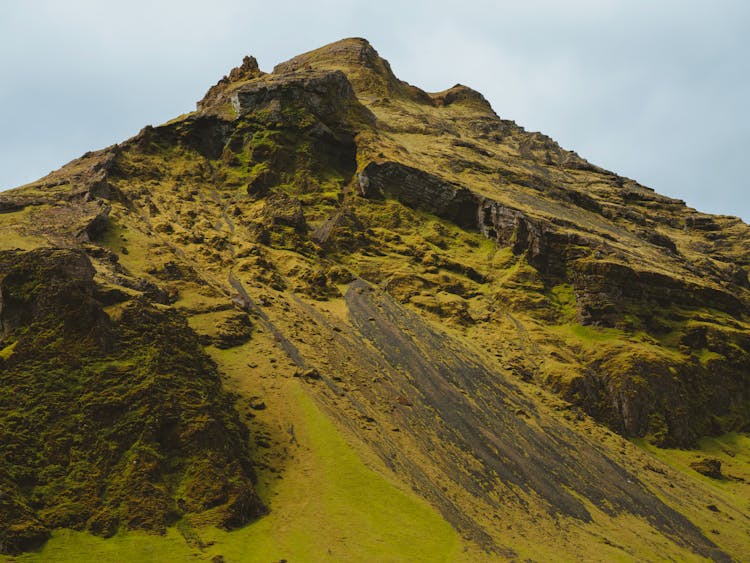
pixel 328 315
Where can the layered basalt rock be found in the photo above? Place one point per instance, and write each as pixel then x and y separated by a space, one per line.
pixel 605 291
pixel 537 240
pixel 326 95
pixel 419 189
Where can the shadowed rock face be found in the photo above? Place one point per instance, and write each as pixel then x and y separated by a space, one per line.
pixel 325 94
pixel 419 189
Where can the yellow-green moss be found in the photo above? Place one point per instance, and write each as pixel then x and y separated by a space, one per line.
pixel 7 352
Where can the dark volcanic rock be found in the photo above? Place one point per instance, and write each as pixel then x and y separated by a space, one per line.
pixel 606 289
pixel 233 330
pixel 419 189
pixel 537 240
pixel 508 448
pixel 326 94
pixel 709 467
pixel 280 209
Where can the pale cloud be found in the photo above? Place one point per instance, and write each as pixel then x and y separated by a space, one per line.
pixel 655 90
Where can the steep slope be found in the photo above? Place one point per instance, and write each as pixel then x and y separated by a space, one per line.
pixel 427 271
pixel 108 419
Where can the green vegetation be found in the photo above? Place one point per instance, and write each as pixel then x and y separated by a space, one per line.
pixel 7 352
pixel 563 299
pixel 71 546
pixel 728 495
pixel 12 233
pixel 113 418
pixel 329 505
pixel 593 335
pixel 108 424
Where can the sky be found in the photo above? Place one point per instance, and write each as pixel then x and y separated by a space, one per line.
pixel 655 90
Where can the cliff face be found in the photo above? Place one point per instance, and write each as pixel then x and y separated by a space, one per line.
pixel 422 264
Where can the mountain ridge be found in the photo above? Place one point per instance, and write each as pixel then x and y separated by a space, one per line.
pixel 423 268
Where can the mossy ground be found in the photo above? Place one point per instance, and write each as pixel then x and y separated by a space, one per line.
pixel 725 516
pixel 108 423
pixel 325 503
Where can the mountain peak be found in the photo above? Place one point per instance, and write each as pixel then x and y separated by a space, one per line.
pixel 347 53
pixel 369 73
pixel 246 71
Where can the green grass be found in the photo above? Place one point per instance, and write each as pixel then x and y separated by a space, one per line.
pixel 731 494
pixel 588 335
pixel 13 234
pixel 563 299
pixel 592 334
pixel 7 352
pixel 732 449
pixel 330 506
pixel 80 547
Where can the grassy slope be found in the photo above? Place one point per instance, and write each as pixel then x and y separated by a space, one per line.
pixel 326 506
pixel 729 524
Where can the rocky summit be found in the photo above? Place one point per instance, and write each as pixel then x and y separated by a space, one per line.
pixel 330 316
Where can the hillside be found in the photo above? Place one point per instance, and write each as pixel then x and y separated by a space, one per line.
pixel 328 315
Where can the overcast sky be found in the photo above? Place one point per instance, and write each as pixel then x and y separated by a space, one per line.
pixel 656 90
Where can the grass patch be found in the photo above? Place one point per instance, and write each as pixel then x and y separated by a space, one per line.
pixel 12 231
pixel 593 334
pixel 728 526
pixel 563 299
pixel 330 506
pixel 7 352
pixel 81 547
pixel 732 449
pixel 588 335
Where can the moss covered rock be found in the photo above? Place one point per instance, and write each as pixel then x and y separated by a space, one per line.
pixel 108 421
